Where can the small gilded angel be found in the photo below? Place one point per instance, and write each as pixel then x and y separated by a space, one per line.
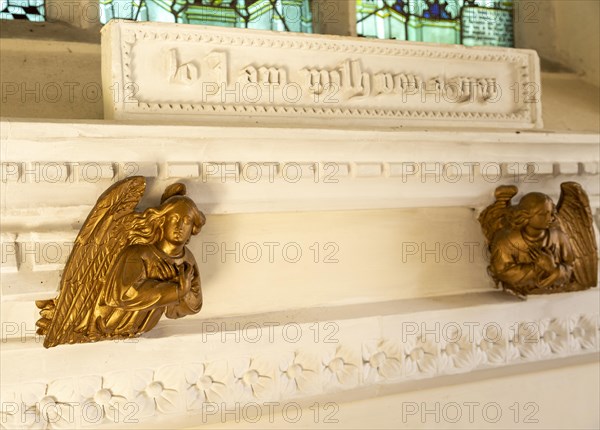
pixel 127 268
pixel 539 248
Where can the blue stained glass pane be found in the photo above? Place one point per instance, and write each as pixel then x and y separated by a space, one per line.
pixel 470 22
pixel 28 10
pixel 435 10
pixel 281 15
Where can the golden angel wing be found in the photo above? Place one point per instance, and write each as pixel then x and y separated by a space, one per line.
pixel 94 252
pixel 494 217
pixel 575 219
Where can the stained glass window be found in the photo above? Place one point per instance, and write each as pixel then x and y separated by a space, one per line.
pixel 467 22
pixel 282 15
pixel 31 10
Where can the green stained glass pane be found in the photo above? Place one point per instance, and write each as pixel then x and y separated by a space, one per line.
pixel 27 10
pixel 281 15
pixel 470 22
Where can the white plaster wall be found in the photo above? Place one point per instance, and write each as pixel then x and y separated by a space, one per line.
pixel 570 103
pixel 334 17
pixel 50 79
pixel 564 32
pixel 81 14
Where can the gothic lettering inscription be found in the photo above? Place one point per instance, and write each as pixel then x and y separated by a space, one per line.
pixel 348 80
pixel 198 73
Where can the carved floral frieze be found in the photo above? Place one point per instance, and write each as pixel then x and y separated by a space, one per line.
pixel 190 387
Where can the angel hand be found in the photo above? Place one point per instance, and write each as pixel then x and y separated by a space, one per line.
pixel 186 274
pixel 167 271
pixel 545 261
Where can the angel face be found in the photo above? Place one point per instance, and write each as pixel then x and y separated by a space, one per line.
pixel 178 225
pixel 542 219
pixel 535 211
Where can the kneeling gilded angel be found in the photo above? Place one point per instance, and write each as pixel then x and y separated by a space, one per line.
pixel 127 268
pixel 539 248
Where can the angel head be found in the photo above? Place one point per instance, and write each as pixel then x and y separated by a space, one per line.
pixel 182 218
pixel 175 220
pixel 535 210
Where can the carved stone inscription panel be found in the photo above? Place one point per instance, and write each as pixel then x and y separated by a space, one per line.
pixel 194 74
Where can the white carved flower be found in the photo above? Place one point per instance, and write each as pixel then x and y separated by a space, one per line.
pixel 381 360
pixel 340 368
pixel 157 391
pixel 48 406
pixel 254 379
pixel 460 353
pixel 527 338
pixel 584 333
pixel 300 373
pixel 206 383
pixel 555 333
pixel 420 355
pixel 495 345
pixel 103 399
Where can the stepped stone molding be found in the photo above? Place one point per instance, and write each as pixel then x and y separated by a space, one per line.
pixel 194 74
pixel 311 169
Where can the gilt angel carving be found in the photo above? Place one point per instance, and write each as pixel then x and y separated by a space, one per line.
pixel 539 248
pixel 127 268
